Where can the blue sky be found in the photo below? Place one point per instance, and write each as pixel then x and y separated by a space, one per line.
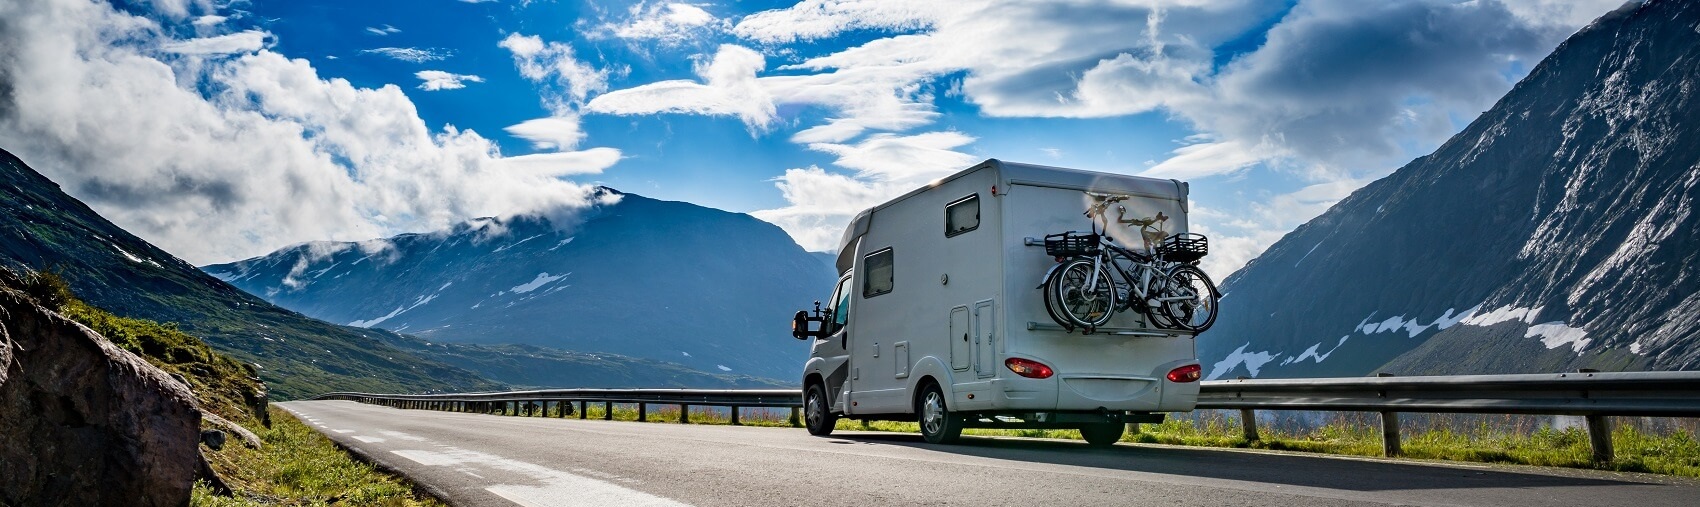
pixel 222 130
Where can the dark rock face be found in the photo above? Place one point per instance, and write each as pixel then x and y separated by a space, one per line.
pixel 83 422
pixel 1557 231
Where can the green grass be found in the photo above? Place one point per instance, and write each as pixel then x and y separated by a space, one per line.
pixel 299 467
pixel 1484 439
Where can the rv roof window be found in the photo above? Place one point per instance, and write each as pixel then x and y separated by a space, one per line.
pixel 962 216
pixel 878 272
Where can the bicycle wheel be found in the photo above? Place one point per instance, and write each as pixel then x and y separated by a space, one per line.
pixel 1190 299
pixel 1082 307
pixel 1153 310
pixel 1052 306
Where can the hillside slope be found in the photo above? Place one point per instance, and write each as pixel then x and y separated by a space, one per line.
pixel 635 276
pixel 1556 231
pixel 43 229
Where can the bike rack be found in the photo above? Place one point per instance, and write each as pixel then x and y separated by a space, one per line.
pixel 1116 331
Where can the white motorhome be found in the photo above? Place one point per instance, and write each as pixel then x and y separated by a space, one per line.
pixel 937 315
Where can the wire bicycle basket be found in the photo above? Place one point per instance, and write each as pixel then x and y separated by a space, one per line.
pixel 1183 247
pixel 1070 244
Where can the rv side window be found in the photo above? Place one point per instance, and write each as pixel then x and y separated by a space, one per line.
pixel 962 216
pixel 841 304
pixel 878 270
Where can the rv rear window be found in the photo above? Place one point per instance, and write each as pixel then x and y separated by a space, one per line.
pixel 962 216
pixel 879 273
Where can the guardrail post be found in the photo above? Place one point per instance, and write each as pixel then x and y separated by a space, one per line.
pixel 583 410
pixel 735 416
pixel 684 414
pixel 607 410
pixel 1599 436
pixel 1248 422
pixel 795 420
pixel 643 412
pixel 1390 430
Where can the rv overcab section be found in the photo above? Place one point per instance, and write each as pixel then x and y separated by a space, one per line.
pixel 935 317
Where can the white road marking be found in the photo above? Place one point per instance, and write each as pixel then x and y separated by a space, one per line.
pixel 401 436
pixel 344 431
pixel 556 488
pixel 472 474
pixel 369 440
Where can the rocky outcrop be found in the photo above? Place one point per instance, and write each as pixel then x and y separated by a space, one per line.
pixel 83 422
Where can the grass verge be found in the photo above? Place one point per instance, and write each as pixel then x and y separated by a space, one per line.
pixel 300 467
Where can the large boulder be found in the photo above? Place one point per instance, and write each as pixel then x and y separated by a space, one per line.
pixel 83 422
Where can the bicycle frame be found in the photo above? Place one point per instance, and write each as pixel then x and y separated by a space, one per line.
pixel 1145 264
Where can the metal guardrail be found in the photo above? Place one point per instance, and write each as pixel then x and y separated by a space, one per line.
pixel 1590 394
pixel 516 402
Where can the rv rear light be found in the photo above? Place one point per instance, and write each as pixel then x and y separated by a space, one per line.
pixel 1028 368
pixel 1184 374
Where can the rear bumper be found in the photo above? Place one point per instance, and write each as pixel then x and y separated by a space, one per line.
pixel 1080 392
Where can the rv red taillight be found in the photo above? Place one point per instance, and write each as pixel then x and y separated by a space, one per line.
pixel 1184 374
pixel 1028 368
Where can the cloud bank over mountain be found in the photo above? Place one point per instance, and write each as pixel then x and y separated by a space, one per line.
pixel 218 147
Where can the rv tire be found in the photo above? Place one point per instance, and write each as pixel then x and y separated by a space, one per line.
pixel 938 424
pixel 1102 434
pixel 817 416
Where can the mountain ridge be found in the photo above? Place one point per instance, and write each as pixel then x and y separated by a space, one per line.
pixel 634 276
pixel 1514 246
pixel 45 229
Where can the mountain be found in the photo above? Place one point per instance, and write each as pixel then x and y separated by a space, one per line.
pixel 43 229
pixel 1557 231
pixel 634 276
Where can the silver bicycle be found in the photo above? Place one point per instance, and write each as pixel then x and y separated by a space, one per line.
pixel 1098 278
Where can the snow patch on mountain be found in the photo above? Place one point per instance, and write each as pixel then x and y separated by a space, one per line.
pixel 1555 334
pixel 398 311
pixel 541 280
pixel 1312 354
pixel 561 244
pixel 1253 361
pixel 516 243
pixel 133 258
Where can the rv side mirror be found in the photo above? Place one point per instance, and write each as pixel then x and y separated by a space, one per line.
pixel 800 325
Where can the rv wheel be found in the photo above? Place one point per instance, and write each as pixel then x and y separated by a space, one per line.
pixel 816 416
pixel 938 425
pixel 1102 434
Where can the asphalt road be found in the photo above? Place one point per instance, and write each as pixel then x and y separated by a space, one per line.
pixel 488 460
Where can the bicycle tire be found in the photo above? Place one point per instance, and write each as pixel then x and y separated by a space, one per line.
pixel 1088 311
pixel 1198 314
pixel 1051 305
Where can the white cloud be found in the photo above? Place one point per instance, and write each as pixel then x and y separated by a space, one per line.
pixel 240 42
pixel 414 55
pixel 818 19
pixel 209 20
pixel 1205 159
pixel 821 203
pixel 385 30
pixel 440 80
pixel 277 155
pixel 667 23
pixel 728 88
pixel 558 132
pixel 539 61
pixel 556 164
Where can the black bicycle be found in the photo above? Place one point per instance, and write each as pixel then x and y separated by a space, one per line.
pixel 1098 278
